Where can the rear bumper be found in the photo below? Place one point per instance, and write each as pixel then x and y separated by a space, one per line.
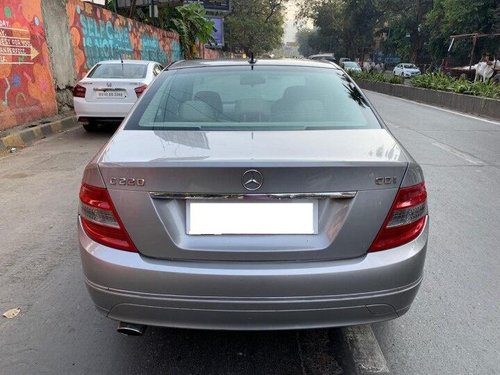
pixel 253 296
pixel 84 108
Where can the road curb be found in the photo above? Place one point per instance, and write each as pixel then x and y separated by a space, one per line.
pixel 476 105
pixel 360 350
pixel 26 137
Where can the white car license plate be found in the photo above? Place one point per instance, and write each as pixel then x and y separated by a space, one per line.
pixel 251 217
pixel 110 94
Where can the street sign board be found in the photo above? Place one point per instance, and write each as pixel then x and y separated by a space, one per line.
pixel 218 33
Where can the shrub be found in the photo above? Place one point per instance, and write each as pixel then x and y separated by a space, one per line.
pixel 440 81
pixel 437 81
pixel 378 77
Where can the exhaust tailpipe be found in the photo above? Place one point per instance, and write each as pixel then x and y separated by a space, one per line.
pixel 131 329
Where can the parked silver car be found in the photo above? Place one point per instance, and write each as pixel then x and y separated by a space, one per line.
pixel 255 195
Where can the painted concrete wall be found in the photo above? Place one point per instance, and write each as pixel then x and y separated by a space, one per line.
pixel 47 45
pixel 98 34
pixel 61 50
pixel 26 89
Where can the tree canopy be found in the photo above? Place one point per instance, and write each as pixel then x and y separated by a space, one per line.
pixel 255 25
pixel 190 22
pixel 416 30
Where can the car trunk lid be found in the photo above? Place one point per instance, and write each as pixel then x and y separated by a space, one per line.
pixel 350 176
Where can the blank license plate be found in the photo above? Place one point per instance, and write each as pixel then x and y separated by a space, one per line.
pixel 297 217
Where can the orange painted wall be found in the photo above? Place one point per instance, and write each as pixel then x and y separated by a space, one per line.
pixel 26 88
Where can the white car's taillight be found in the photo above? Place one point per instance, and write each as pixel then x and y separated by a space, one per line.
pixel 405 220
pixel 100 220
pixel 79 91
pixel 140 89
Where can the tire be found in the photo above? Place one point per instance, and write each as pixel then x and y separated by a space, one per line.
pixel 91 126
pixel 496 79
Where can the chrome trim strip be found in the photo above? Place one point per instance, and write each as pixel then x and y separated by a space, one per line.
pixel 326 195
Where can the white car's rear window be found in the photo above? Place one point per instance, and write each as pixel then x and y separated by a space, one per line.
pixel 117 70
pixel 262 98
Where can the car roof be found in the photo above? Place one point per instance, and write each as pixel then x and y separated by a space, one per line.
pixel 259 62
pixel 128 62
pixel 323 54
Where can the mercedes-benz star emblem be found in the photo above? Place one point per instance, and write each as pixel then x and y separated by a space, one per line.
pixel 252 180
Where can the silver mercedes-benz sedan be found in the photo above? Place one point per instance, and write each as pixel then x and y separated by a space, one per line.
pixel 252 195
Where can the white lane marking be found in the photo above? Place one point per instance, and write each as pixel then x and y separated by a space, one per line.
pixel 443 109
pixel 458 154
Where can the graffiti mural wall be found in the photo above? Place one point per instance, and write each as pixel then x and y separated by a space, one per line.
pixel 26 88
pixel 210 54
pixel 98 34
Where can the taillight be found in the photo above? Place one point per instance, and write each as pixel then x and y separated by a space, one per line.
pixel 140 89
pixel 79 91
pixel 405 220
pixel 100 220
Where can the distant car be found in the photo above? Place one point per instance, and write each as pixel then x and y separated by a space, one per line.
pixel 110 89
pixel 406 70
pixel 324 56
pixel 344 59
pixel 260 195
pixel 351 66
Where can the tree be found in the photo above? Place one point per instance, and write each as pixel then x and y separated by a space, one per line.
pixel 345 26
pixel 406 20
pixel 360 19
pixel 190 22
pixel 310 42
pixel 451 17
pixel 255 25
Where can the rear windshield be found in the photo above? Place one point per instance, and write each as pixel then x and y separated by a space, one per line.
pixel 265 98
pixel 114 70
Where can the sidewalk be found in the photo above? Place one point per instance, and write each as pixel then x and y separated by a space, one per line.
pixel 24 135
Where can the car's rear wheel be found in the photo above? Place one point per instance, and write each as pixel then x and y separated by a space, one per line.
pixel 90 126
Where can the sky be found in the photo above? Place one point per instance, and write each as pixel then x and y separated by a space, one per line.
pixel 290 28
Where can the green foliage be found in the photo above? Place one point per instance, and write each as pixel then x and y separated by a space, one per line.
pixel 451 17
pixel 190 22
pixel 436 81
pixel 377 77
pixel 439 81
pixel 416 30
pixel 342 26
pixel 254 25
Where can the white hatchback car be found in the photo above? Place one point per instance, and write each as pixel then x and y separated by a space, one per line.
pixel 110 89
pixel 406 70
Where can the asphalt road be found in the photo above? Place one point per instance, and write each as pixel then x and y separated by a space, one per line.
pixel 58 331
pixel 453 327
pixel 454 324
